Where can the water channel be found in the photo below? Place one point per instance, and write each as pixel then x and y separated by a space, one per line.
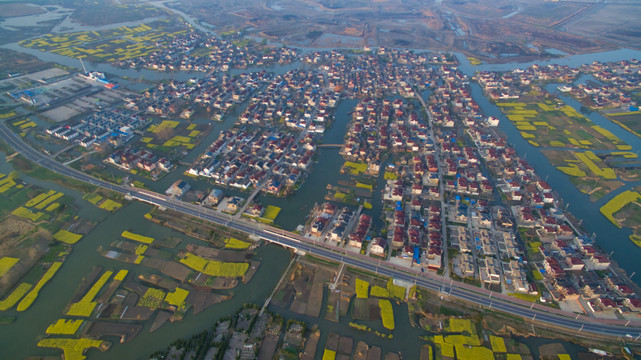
pixel 19 339
pixel 608 236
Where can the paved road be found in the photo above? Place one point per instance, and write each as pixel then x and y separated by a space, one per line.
pixel 430 281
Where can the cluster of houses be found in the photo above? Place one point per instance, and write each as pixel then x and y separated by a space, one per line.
pixel 382 125
pixel 199 52
pixel 572 266
pixel 214 95
pixel 451 99
pixel 624 74
pixel 298 98
pixel 510 85
pixel 345 226
pixel 377 73
pixel 114 126
pixel 133 158
pixel 323 217
pixel 249 157
pixel 616 83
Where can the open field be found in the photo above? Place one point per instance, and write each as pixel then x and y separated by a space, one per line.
pixel 614 22
pixel 67 237
pixel 85 306
pixel 73 349
pixel 628 120
pixel 15 296
pixel 6 263
pixel 486 30
pixel 64 327
pixel 171 136
pixel 102 202
pixel 108 45
pixel 214 268
pixel 362 289
pixel 33 294
pixel 617 203
pixel 99 13
pixel 16 62
pixel 136 237
pixel 387 313
pixel 233 243
pixel 557 126
pixel 177 297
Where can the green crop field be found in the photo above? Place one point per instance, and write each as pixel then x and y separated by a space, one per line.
pixel 177 297
pixel 387 313
pixel 464 352
pixel 271 212
pixel 447 349
pixel 48 201
pixel 498 344
pixel 15 296
pixel 380 292
pixel 73 349
pixel 329 354
pixel 215 268
pixel 395 291
pixel 33 294
pixel 166 124
pixel 93 198
pixel 110 205
pixel 6 263
pixel 617 203
pixel 67 237
pixel 233 243
pixel 136 237
pixel 23 212
pixel 64 327
pixel 153 298
pixel 591 161
pixel 120 276
pixel 85 306
pixel 355 168
pixel 362 289
pixel 39 198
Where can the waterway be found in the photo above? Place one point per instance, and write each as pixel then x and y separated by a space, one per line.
pixel 325 170
pixel 609 237
pixel 573 61
pixel 19 339
pixel 612 239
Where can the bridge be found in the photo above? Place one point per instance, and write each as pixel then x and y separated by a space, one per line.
pixel 555 318
pixel 333 146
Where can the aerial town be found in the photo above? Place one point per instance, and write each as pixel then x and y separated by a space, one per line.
pixel 404 166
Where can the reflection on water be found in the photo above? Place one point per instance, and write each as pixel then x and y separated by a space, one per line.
pixel 51 13
pixel 608 237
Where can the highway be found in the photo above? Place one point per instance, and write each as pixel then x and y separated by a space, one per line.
pixel 447 288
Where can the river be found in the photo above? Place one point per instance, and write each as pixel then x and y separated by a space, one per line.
pixel 609 237
pixel 328 162
pixel 19 339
